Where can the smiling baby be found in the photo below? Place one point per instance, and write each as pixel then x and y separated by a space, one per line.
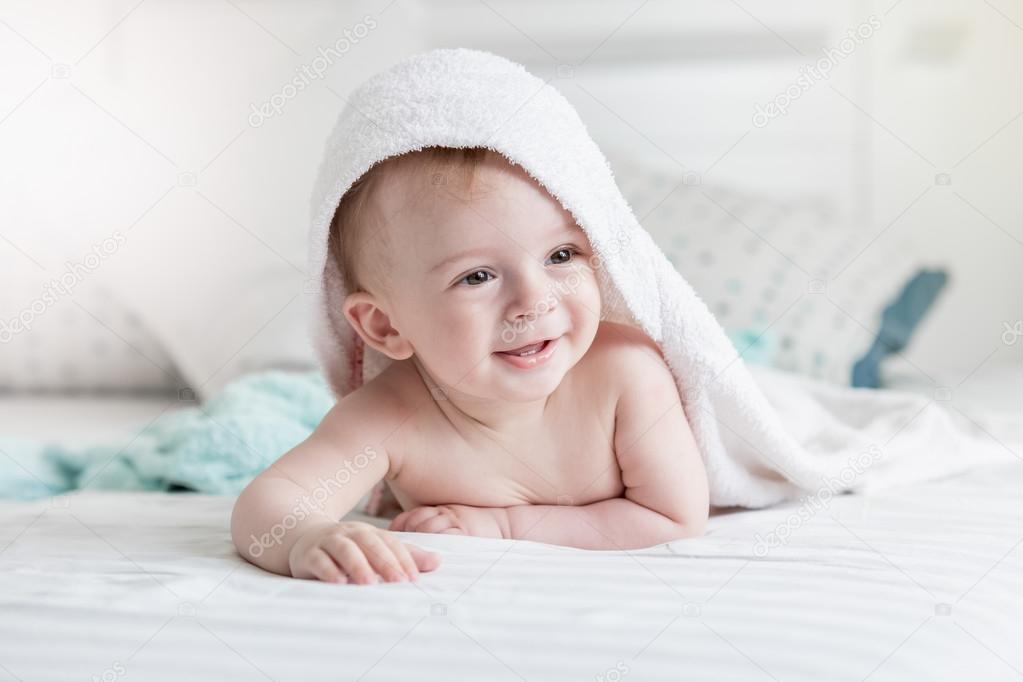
pixel 510 408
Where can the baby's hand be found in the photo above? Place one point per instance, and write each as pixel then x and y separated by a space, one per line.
pixel 355 551
pixel 456 519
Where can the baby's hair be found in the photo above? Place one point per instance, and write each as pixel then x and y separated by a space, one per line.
pixel 349 231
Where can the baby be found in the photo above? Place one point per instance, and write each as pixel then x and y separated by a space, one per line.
pixel 510 409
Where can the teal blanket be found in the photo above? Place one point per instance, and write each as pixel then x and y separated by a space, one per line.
pixel 216 447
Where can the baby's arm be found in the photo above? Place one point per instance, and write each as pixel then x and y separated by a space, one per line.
pixel 666 495
pixel 301 498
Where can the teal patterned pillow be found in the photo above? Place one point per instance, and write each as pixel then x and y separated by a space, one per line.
pixel 757 347
pixel 773 270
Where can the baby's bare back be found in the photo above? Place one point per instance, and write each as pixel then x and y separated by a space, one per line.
pixel 567 458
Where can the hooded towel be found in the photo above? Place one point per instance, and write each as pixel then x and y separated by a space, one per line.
pixel 764 439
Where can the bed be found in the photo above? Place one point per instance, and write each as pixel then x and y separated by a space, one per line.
pixel 923 582
pixel 918 583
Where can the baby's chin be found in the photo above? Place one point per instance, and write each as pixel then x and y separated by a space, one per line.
pixel 526 379
pixel 513 386
pixel 498 384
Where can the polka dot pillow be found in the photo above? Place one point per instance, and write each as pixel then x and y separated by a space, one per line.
pixel 775 272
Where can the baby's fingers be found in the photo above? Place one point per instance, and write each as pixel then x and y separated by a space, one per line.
pixel 319 565
pixel 381 557
pixel 426 560
pixel 414 518
pixel 437 524
pixel 349 556
pixel 398 522
pixel 401 552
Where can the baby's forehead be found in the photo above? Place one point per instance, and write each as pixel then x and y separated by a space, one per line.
pixel 418 175
pixel 449 197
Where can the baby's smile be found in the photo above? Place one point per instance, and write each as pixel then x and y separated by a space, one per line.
pixel 531 355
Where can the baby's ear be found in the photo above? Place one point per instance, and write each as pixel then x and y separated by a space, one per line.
pixel 374 326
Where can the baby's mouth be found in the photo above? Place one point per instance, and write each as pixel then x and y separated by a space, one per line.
pixel 527 350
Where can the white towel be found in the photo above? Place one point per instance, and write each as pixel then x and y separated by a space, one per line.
pixel 763 440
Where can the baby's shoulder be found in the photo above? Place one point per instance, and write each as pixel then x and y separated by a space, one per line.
pixel 617 344
pixel 372 411
pixel 626 354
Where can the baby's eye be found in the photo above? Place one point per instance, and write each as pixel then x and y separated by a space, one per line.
pixel 472 280
pixel 565 254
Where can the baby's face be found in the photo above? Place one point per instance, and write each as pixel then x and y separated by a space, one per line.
pixel 494 271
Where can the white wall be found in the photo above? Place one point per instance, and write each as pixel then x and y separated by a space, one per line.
pixel 946 96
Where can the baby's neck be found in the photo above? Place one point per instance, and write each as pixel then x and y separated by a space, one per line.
pixel 499 418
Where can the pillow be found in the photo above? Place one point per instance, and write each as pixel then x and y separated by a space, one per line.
pixel 86 340
pixel 758 348
pixel 220 304
pixel 74 182
pixel 775 271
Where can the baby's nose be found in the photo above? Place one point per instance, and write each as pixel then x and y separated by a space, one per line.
pixel 532 297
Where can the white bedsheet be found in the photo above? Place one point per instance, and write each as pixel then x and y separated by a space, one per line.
pixel 920 583
pixel 923 585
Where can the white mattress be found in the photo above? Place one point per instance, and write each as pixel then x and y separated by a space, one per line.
pixel 921 583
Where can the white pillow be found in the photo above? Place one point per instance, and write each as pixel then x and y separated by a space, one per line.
pixel 220 301
pixel 84 341
pixel 766 267
pixel 73 181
